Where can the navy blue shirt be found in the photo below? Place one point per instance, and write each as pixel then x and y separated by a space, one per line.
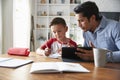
pixel 106 35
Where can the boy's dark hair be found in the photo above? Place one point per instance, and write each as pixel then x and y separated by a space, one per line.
pixel 88 9
pixel 57 20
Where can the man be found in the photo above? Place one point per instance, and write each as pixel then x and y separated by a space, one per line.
pixel 99 32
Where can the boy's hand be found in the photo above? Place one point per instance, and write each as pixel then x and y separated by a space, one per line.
pixel 70 45
pixel 59 51
pixel 47 51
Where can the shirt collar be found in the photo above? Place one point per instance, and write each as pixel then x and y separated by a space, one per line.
pixel 102 24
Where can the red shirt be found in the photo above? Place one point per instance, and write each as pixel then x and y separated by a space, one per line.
pixel 55 45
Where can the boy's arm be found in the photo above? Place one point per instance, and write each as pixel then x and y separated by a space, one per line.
pixel 40 52
pixel 43 52
pixel 45 49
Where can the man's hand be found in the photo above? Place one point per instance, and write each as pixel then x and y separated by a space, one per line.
pixel 86 55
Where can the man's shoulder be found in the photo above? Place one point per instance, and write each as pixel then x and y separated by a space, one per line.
pixel 111 22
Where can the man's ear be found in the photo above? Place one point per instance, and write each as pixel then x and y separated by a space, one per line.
pixel 93 18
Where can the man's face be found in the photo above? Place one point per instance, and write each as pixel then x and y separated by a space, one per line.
pixel 83 22
pixel 59 31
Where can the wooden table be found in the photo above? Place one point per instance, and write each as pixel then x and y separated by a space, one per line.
pixel 110 72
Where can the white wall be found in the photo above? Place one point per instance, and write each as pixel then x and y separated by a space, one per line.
pixel 7 11
pixel 0 28
pixel 32 7
pixel 107 5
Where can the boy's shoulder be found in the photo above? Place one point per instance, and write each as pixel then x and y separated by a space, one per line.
pixel 52 39
pixel 49 43
pixel 72 42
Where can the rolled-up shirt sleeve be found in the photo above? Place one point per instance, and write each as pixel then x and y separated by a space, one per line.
pixel 115 55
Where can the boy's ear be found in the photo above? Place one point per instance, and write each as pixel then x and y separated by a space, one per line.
pixel 66 28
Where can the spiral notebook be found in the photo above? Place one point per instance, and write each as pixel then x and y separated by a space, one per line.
pixel 13 63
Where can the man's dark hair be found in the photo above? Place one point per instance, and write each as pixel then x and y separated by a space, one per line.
pixel 57 20
pixel 88 9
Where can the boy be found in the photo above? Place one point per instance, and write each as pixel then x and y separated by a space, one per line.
pixel 53 46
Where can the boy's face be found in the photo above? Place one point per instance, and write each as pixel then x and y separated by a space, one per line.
pixel 59 31
pixel 84 23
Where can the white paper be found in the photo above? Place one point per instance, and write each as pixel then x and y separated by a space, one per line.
pixel 48 67
pixel 71 67
pixel 55 55
pixel 43 67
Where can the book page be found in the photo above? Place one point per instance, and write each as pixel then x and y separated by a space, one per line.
pixel 50 67
pixel 44 67
pixel 71 67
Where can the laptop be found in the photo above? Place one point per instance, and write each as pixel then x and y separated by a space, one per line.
pixel 68 54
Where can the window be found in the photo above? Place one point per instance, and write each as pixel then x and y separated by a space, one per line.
pixel 21 23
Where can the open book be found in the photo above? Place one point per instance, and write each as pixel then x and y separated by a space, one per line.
pixel 13 63
pixel 50 67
